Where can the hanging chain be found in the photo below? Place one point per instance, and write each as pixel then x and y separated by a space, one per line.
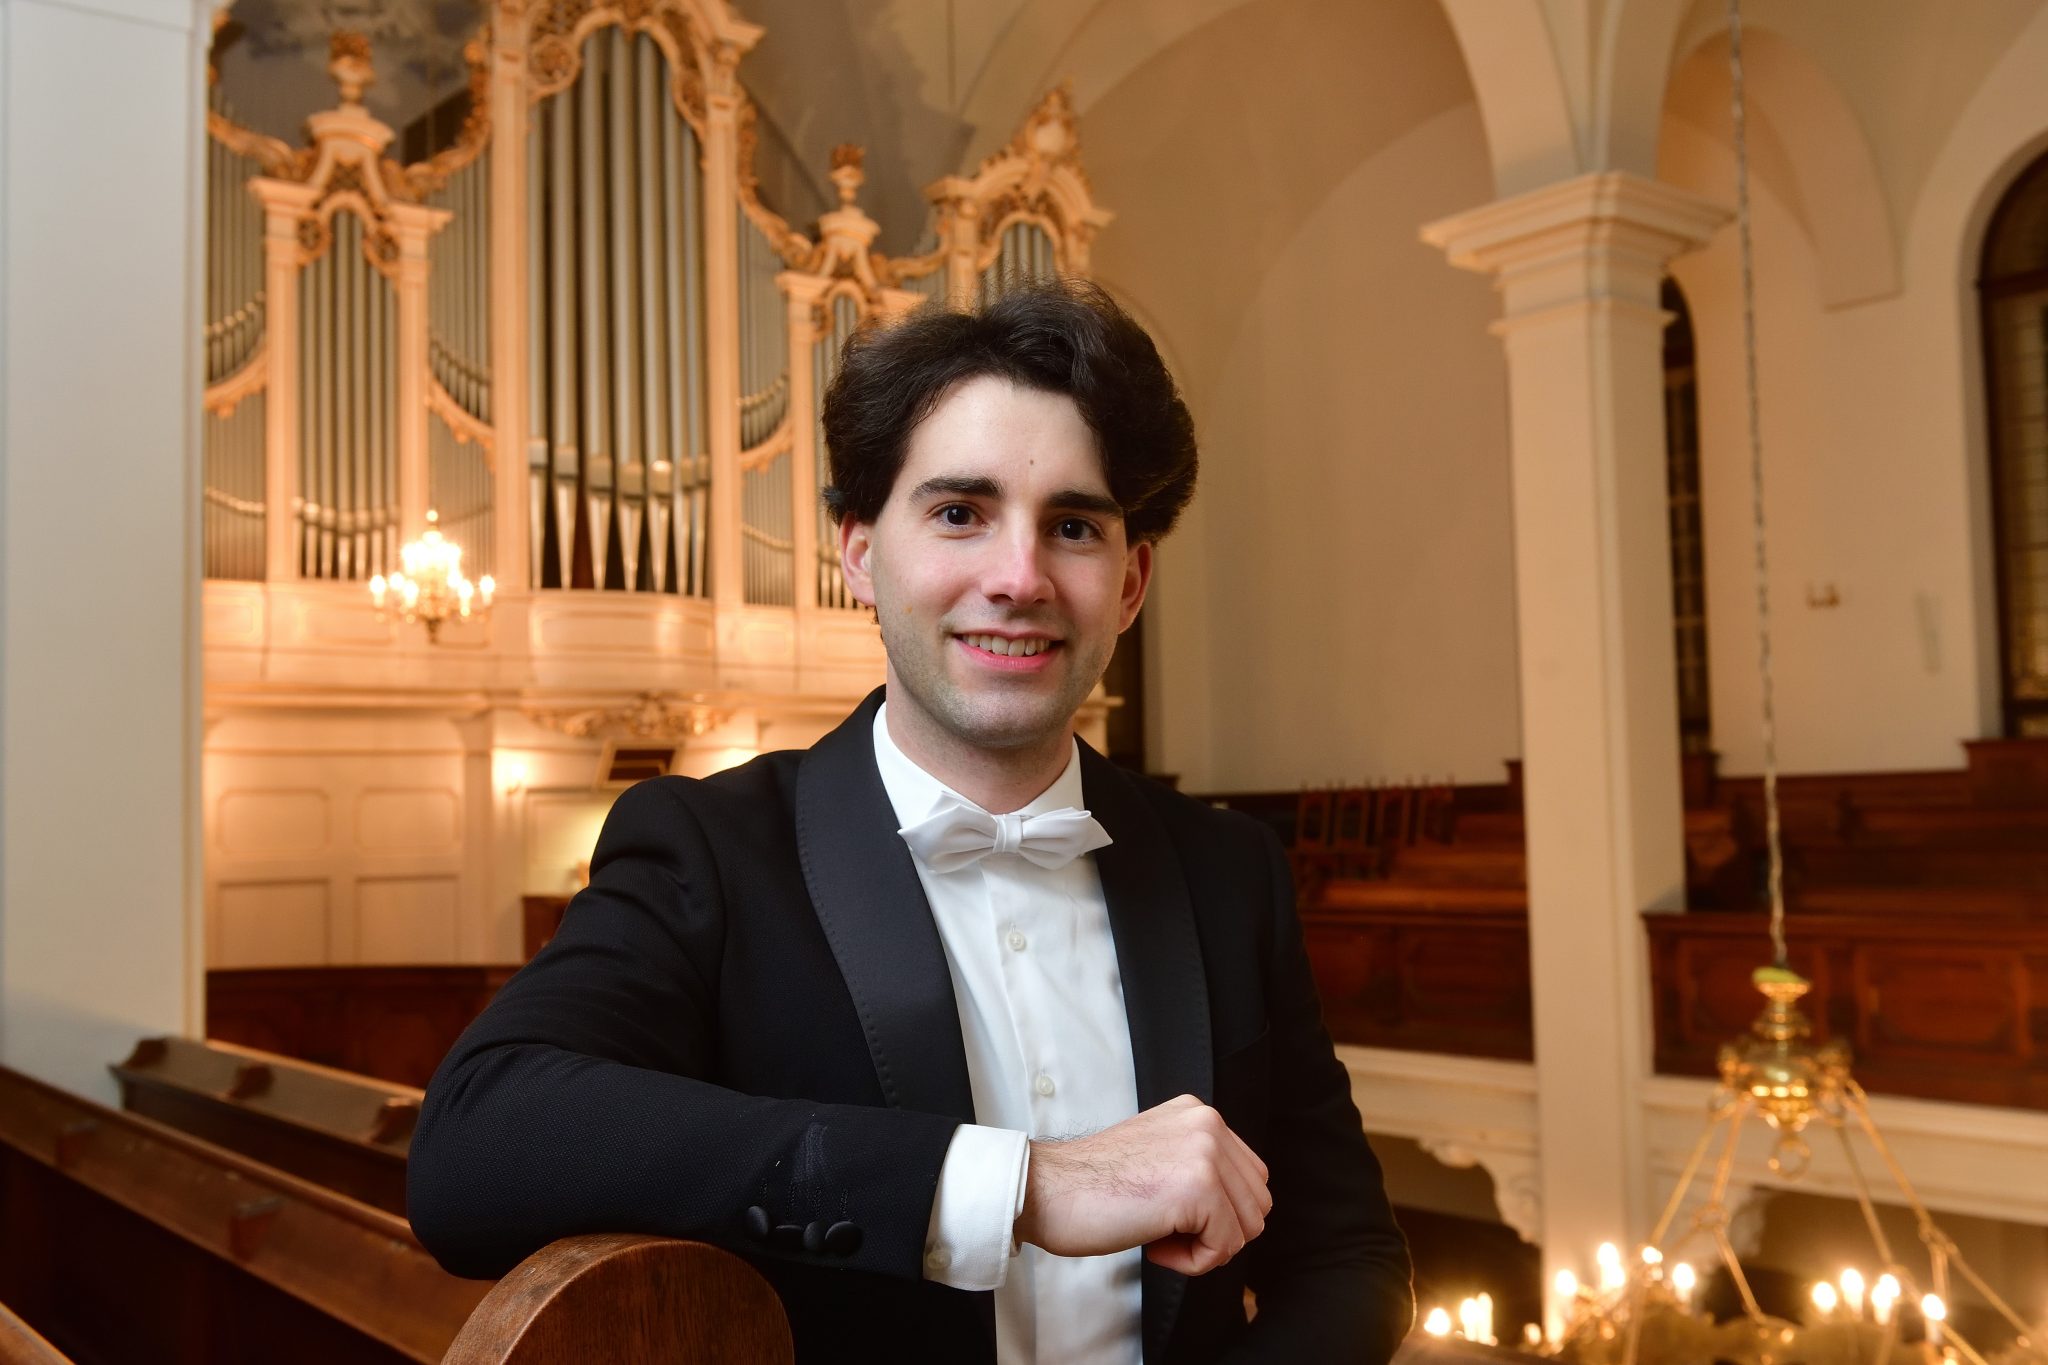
pixel 1768 707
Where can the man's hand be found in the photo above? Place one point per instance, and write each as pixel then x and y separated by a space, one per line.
pixel 1174 1180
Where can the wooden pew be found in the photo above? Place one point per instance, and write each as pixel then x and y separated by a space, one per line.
pixel 627 1297
pixel 394 1023
pixel 124 1239
pixel 21 1344
pixel 349 1133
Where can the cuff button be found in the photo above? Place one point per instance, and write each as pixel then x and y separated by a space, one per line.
pixel 814 1238
pixel 757 1223
pixel 842 1239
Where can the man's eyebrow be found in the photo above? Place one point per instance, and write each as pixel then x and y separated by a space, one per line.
pixel 958 485
pixel 1081 500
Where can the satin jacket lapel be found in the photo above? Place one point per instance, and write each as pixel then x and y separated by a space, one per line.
pixel 1159 957
pixel 865 889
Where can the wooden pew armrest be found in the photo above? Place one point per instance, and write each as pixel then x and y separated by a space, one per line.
pixel 624 1296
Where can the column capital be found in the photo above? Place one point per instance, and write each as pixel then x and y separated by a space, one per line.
pixel 1611 213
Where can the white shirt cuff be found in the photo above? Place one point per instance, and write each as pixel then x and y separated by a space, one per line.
pixel 980 1194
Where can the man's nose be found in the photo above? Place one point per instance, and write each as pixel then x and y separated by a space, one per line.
pixel 1016 569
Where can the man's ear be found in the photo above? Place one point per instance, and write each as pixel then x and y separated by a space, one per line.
pixel 856 547
pixel 1137 577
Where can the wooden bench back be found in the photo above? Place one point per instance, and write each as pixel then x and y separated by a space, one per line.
pixel 625 1297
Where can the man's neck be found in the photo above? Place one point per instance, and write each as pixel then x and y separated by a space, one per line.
pixel 997 780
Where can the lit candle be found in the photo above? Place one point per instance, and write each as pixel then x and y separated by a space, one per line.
pixel 1852 1292
pixel 1557 1315
pixel 485 586
pixel 1438 1323
pixel 1612 1276
pixel 1883 1295
pixel 377 591
pixel 1682 1280
pixel 1936 1313
pixel 1825 1299
pixel 1484 1304
pixel 1468 1320
pixel 1532 1336
pixel 1653 1258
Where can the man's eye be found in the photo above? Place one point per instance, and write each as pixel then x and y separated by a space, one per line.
pixel 956 514
pixel 1074 528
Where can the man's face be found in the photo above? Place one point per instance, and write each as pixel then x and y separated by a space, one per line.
pixel 998 568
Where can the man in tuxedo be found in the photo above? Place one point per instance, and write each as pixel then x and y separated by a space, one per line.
pixel 980 1048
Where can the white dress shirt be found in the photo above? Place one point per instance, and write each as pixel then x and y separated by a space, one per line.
pixel 1048 1056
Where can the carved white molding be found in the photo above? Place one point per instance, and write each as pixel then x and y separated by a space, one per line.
pixel 1465 1112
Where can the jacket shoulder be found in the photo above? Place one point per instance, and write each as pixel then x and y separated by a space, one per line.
pixel 1192 821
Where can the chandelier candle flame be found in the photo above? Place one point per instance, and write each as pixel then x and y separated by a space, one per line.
pixel 431 588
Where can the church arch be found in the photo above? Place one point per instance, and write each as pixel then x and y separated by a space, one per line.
pixel 2012 287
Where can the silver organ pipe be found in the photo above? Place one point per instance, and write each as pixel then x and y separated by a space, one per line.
pixel 615 301
pixel 564 357
pixel 842 319
pixel 458 482
pixel 594 311
pixel 626 363
pixel 233 433
pixel 347 409
pixel 654 392
pixel 766 528
pixel 1026 253
pixel 686 170
pixel 536 349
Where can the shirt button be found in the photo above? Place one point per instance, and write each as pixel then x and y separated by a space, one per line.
pixel 937 1259
pixel 1017 941
pixel 1044 1084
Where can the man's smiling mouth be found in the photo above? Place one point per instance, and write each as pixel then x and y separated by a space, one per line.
pixel 1022 648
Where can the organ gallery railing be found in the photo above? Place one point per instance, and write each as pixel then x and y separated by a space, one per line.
pixel 578 332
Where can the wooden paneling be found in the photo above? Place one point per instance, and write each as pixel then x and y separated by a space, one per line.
pixel 122 1239
pixel 1950 1008
pixel 394 1023
pixel 1444 981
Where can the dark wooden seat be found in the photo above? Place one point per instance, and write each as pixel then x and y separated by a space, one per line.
pixel 21 1344
pixel 122 1238
pixel 621 1297
pixel 349 1133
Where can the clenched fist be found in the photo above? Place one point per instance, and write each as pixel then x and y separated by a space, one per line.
pixel 1174 1180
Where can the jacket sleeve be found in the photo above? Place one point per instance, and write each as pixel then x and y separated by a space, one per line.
pixel 1331 1271
pixel 576 1102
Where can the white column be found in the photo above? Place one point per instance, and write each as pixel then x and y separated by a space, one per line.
pixel 1579 265
pixel 102 195
pixel 722 325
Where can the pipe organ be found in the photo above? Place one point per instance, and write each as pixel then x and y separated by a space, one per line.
pixel 577 333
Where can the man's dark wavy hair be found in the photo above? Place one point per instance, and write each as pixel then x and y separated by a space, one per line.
pixel 1066 337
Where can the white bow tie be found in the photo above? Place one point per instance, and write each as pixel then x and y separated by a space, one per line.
pixel 959 836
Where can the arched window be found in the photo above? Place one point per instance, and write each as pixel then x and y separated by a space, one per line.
pixel 1688 558
pixel 2014 287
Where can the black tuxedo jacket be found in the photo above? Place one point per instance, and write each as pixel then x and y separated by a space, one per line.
pixel 745 1033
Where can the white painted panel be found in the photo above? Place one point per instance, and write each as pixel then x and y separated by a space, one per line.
pixel 561 830
pixel 405 919
pixel 273 823
pixel 270 924
pixel 408 819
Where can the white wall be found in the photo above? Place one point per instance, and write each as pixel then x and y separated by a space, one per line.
pixel 1872 428
pixel 1360 596
pixel 99 573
